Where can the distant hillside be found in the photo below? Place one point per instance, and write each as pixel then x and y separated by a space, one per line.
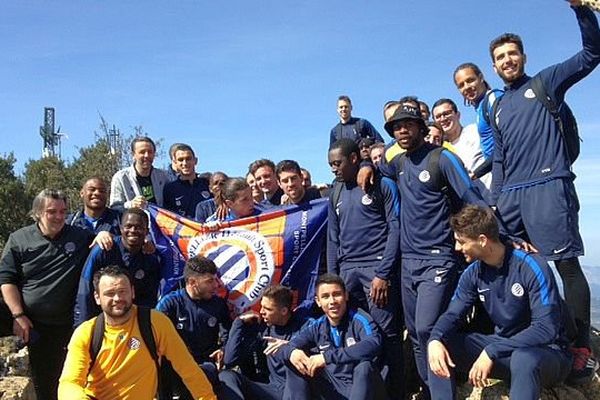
pixel 593 277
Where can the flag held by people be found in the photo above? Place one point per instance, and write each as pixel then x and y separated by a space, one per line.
pixel 281 246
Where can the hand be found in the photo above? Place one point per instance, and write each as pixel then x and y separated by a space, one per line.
pixel 300 361
pixel 139 202
pixel 22 328
pixel 525 246
pixel 439 359
pixel 379 291
pixel 104 240
pixel 217 357
pixel 273 344
pixel 148 247
pixel 249 317
pixel 472 175
pixel 365 178
pixel 480 370
pixel 222 212
pixel 316 363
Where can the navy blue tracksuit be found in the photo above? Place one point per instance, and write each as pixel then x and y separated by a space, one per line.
pixel 109 221
pixel 528 346
pixel 429 264
pixel 363 243
pixel 204 327
pixel 349 350
pixel 246 340
pixel 182 197
pixel 144 270
pixel 532 178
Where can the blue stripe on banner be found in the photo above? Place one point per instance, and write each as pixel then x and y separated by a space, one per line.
pixel 459 168
pixel 539 275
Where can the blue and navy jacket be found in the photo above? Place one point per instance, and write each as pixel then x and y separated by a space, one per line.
pixel 529 148
pixel 182 197
pixel 205 209
pixel 355 129
pixel 109 221
pixel 144 270
pixel 202 324
pixel 246 339
pixel 425 212
pixel 364 229
pixel 521 298
pixel 355 339
pixel 485 107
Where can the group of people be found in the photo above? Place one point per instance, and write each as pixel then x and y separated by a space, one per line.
pixel 446 231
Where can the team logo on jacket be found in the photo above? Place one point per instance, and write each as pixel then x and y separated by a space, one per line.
pixel 205 194
pixel 70 247
pixel 139 274
pixel 244 260
pixel 350 342
pixel 529 94
pixel 517 290
pixel 212 322
pixel 134 343
pixel 424 176
pixel 366 200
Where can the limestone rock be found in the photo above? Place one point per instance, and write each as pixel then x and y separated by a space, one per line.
pixel 16 388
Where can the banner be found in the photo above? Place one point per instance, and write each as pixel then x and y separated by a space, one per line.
pixel 281 246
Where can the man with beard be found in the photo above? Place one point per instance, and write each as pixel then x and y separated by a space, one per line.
pixel 95 216
pixel 39 269
pixel 533 185
pixel 201 319
pixel 123 367
pixel 127 253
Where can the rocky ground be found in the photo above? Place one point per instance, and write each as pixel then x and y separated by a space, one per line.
pixel 15 383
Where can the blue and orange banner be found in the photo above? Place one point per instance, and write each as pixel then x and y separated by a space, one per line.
pixel 280 246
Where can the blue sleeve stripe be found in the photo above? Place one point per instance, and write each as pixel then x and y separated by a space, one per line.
pixel 539 275
pixel 459 167
pixel 394 191
pixel 365 323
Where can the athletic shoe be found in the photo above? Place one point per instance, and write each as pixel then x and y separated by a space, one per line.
pixel 584 366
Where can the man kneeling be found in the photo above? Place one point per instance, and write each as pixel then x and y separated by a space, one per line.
pixel 518 291
pixel 348 342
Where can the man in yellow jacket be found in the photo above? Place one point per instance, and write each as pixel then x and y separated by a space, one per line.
pixel 124 367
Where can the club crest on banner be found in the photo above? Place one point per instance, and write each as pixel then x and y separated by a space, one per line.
pixel 244 259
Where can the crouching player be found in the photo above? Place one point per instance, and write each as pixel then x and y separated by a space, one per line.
pixel 347 340
pixel 518 291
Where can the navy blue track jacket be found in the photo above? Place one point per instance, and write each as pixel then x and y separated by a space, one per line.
pixel 202 324
pixel 425 211
pixel 355 339
pixel 365 229
pixel 529 148
pixel 246 338
pixel 521 298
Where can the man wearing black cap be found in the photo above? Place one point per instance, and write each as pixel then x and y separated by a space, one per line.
pixel 364 145
pixel 431 180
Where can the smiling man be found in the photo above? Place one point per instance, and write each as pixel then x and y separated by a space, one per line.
pixel 95 216
pixel 123 366
pixel 289 177
pixel 532 175
pixel 528 347
pixel 348 341
pixel 127 253
pixel 141 183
